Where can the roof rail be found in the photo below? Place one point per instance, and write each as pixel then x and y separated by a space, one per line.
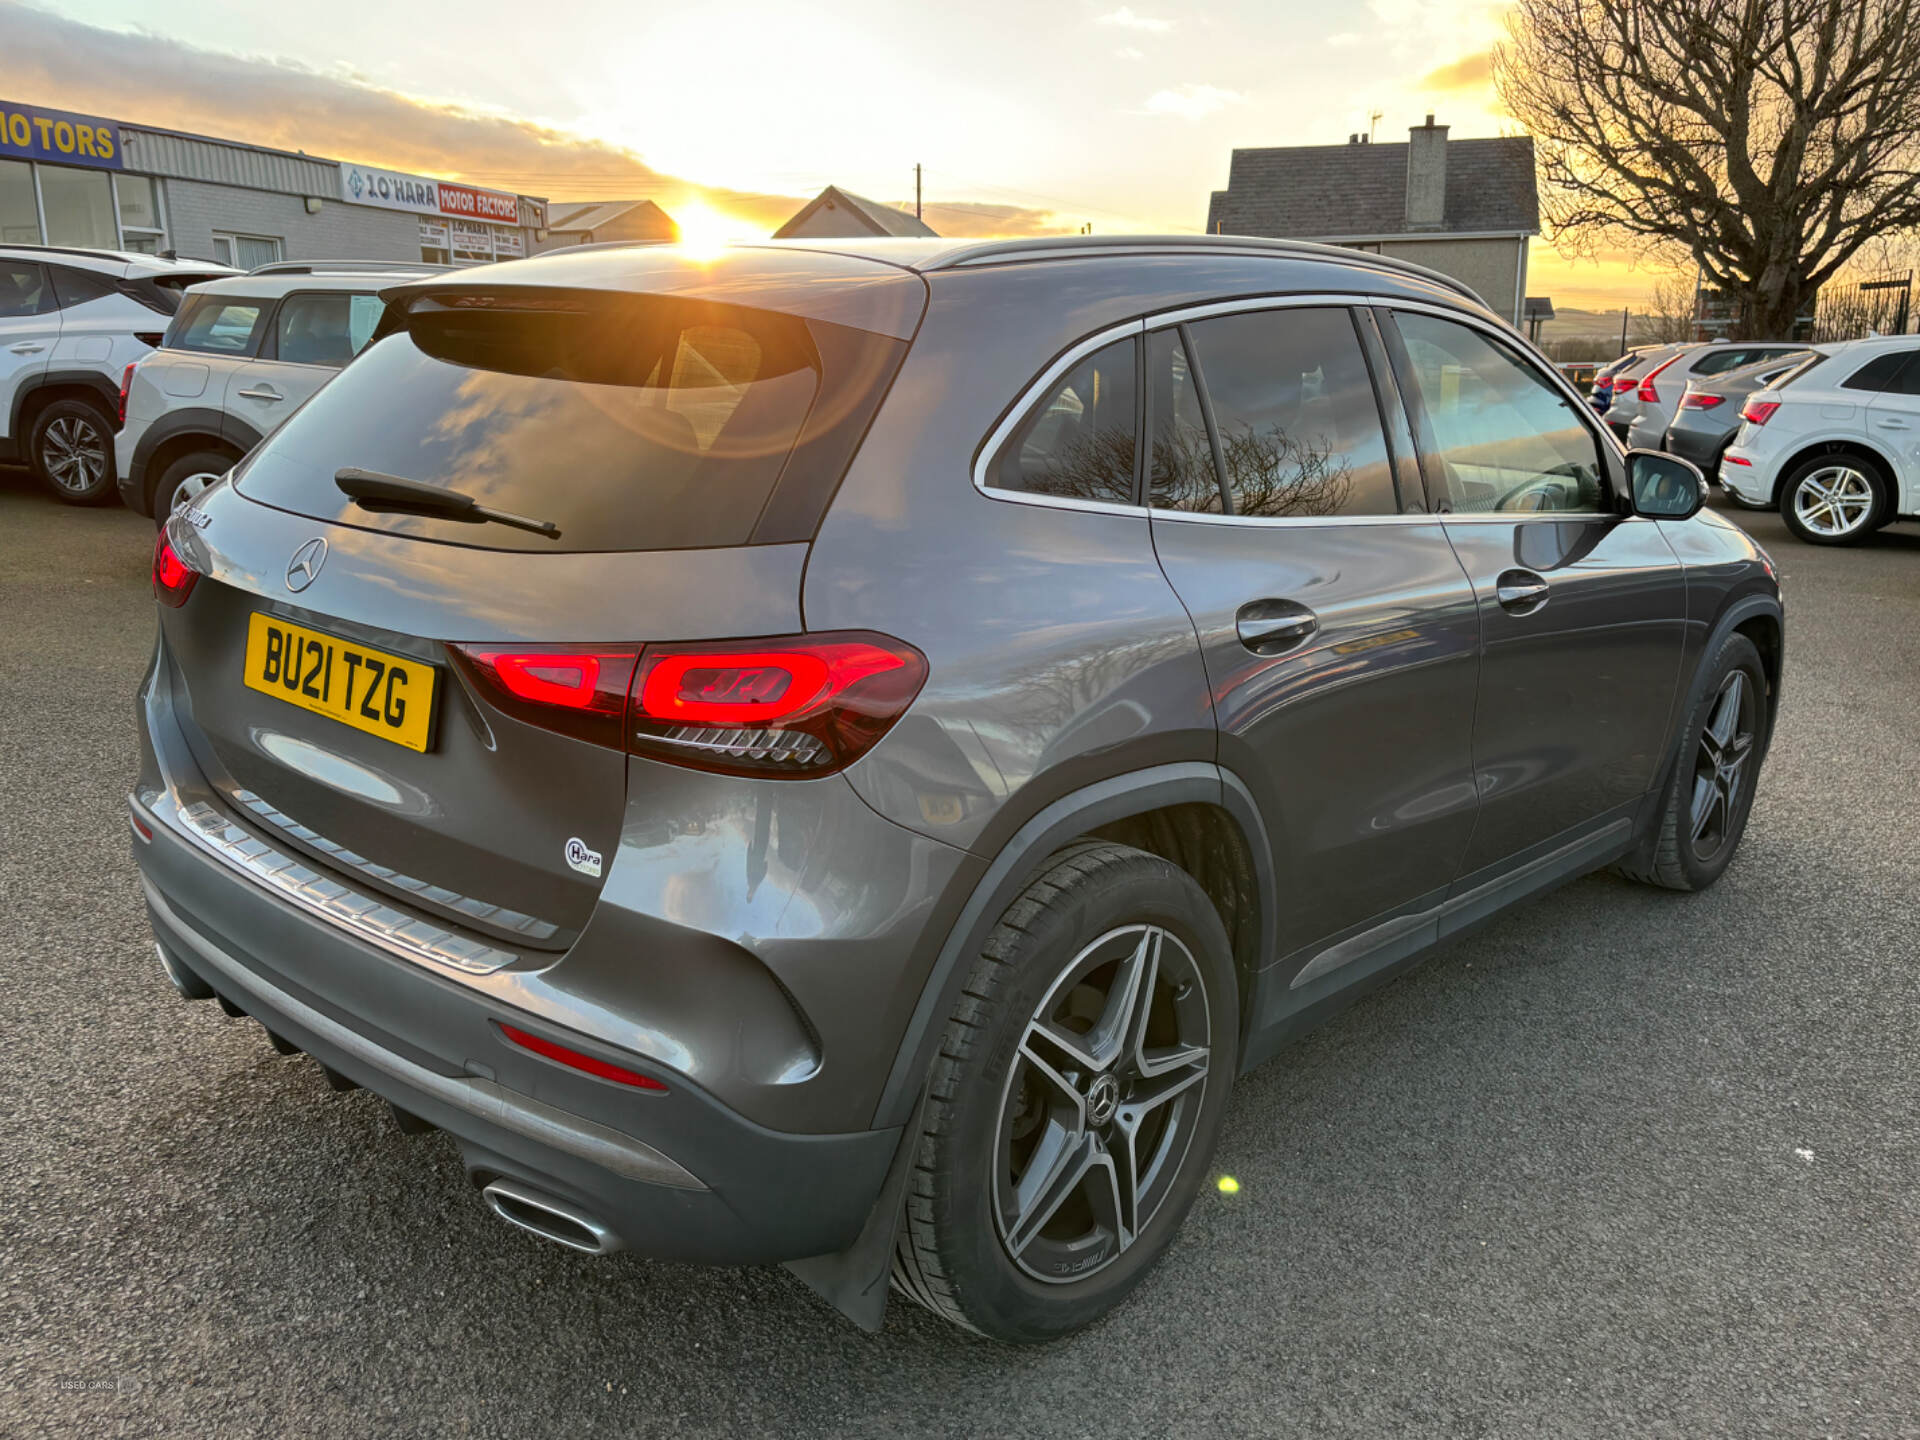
pixel 1069 247
pixel 90 250
pixel 347 267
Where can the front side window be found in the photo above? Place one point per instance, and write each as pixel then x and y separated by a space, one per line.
pixel 325 329
pixel 1078 442
pixel 1294 407
pixel 1497 434
pixel 1181 473
pixel 218 327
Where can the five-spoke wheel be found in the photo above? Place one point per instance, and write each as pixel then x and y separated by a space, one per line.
pixel 1832 500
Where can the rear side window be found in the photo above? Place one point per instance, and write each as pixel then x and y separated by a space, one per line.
pixel 77 287
pixel 1293 405
pixel 632 422
pixel 1880 373
pixel 215 325
pixel 21 288
pixel 1078 443
pixel 327 329
pixel 1180 471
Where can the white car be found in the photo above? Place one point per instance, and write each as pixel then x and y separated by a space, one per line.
pixel 1835 444
pixel 71 322
pixel 242 355
pixel 1656 399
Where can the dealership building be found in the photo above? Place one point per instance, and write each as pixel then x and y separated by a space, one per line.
pixel 92 182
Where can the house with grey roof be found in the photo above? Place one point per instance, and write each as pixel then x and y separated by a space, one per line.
pixel 1467 208
pixel 840 213
pixel 588 222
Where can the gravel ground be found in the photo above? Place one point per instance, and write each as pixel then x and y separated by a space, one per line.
pixel 1622 1163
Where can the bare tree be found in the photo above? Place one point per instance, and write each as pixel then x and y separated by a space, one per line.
pixel 1768 140
pixel 1668 319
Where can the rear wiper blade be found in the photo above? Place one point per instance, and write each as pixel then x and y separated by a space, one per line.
pixel 373 491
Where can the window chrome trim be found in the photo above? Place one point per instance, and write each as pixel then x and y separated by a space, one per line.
pixel 1037 389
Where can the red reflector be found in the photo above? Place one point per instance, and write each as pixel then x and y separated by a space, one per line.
pixel 1693 400
pixel 1735 460
pixel 1758 412
pixel 126 383
pixel 172 577
pixel 573 1058
pixel 140 827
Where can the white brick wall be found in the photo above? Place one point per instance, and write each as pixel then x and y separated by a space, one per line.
pixel 339 232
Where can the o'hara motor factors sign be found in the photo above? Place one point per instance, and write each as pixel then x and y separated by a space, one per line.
pixel 396 190
pixel 30 132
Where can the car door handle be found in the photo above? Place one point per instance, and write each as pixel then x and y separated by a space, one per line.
pixel 1272 627
pixel 262 393
pixel 26 347
pixel 1521 591
pixel 1888 422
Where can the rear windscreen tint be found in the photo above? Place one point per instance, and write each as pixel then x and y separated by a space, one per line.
pixel 630 422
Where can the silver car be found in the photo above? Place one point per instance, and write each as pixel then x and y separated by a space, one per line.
pixel 1657 395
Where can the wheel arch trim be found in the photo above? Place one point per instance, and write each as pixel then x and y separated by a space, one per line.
pixel 216 427
pixel 1013 867
pixel 92 380
pixel 1732 616
pixel 1807 450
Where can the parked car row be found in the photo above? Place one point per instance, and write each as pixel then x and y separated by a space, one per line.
pixel 71 322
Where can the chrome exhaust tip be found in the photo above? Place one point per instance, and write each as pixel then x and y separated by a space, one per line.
pixel 549 1218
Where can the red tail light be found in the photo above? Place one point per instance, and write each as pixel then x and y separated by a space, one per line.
pixel 172 577
pixel 1758 412
pixel 1649 395
pixel 803 706
pixel 1694 400
pixel 126 383
pixel 576 691
pixel 576 1060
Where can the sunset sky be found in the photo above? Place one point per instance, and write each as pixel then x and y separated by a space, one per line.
pixel 1027 118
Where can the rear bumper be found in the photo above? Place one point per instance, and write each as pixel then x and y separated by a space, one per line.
pixel 677 1175
pixel 1702 447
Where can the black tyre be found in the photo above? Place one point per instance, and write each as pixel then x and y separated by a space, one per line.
pixel 1076 1099
pixel 1834 499
pixel 1704 811
pixel 70 448
pixel 186 477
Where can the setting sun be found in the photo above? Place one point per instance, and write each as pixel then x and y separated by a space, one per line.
pixel 706 231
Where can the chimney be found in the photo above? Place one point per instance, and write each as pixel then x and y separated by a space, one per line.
pixel 1427 176
pixel 1353 138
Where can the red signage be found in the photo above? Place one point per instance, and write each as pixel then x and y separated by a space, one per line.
pixel 474 204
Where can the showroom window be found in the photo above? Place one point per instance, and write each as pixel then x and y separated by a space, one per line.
pixel 245 252
pixel 141 228
pixel 434 246
pixel 19 212
pixel 78 206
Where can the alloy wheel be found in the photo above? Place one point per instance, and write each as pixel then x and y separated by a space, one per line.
pixel 74 452
pixel 1100 1103
pixel 191 488
pixel 1720 765
pixel 1834 501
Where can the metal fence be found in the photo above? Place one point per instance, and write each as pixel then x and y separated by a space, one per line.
pixel 1882 305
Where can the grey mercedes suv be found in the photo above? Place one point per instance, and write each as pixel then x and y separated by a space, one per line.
pixel 840 755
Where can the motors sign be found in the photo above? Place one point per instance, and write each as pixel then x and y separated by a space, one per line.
pixel 396 190
pixel 31 132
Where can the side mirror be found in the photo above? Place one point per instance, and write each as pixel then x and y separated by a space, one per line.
pixel 1665 487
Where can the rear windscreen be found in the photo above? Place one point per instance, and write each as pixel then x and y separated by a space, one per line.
pixel 629 422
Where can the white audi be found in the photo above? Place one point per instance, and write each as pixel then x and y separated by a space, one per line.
pixel 1836 443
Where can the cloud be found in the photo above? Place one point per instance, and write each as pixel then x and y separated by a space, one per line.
pixel 1127 52
pixel 1469 72
pixel 1126 19
pixel 1193 102
pixel 1344 38
pixel 968 219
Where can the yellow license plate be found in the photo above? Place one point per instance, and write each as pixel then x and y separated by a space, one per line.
pixel 382 694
